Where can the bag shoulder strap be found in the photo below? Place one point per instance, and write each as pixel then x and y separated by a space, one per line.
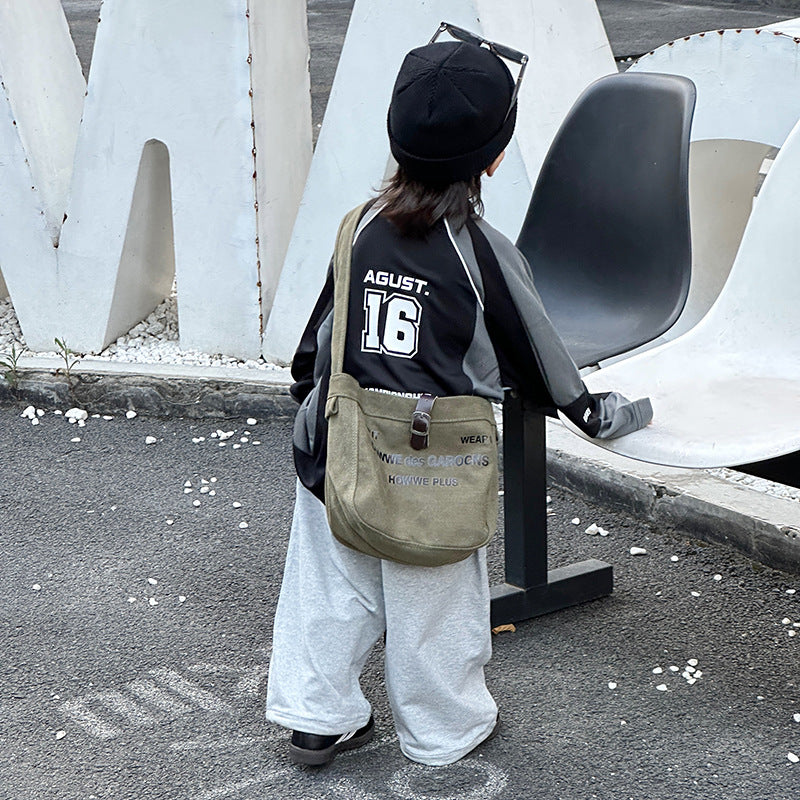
pixel 342 257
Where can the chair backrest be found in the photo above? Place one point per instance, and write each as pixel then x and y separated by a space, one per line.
pixel 607 231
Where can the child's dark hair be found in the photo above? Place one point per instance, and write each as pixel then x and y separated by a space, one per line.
pixel 415 207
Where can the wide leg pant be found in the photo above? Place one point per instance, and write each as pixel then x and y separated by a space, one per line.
pixel 336 603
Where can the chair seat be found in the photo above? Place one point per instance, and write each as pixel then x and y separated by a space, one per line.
pixel 711 408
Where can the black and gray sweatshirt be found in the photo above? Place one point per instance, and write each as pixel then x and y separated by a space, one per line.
pixel 453 313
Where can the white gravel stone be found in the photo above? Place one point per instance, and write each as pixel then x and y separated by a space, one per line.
pixel 252 421
pixel 78 414
pixel 592 530
pixel 150 440
pixel 692 662
pixel 796 717
pixel 612 685
pixel 60 735
pixel 213 480
pixel 188 491
pixel 181 598
pixel 196 503
pixel 237 504
pixel 791 632
pixel 695 594
pixel 791 591
pixel 29 413
pixel 34 422
pixel 662 687
pixel 130 414
pixel 673 668
pixel 75 439
pixel 638 551
pixel 204 490
pixel 243 525
pixel 170 521
pixel 657 671
pixel 36 587
pixel 576 521
pixel 673 558
pixel 152 581
pixel 793 758
pixel 718 577
pixel 153 601
pixel 236 446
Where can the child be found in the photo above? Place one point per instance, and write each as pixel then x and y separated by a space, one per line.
pixel 440 302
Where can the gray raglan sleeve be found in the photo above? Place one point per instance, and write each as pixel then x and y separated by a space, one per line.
pixel 605 416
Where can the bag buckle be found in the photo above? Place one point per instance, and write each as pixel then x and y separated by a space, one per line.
pixel 421 421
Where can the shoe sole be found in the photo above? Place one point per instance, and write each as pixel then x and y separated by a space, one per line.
pixel 319 758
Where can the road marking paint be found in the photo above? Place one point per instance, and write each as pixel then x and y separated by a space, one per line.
pixel 251 677
pixel 124 706
pixel 78 712
pixel 153 694
pixel 182 687
pixel 265 776
pixel 494 783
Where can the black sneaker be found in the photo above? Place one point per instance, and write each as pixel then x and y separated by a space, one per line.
pixel 316 750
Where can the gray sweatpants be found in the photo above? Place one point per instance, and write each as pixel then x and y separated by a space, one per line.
pixel 336 603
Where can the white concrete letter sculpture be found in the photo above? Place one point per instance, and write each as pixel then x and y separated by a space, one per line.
pixel 748 100
pixel 196 125
pixel 569 49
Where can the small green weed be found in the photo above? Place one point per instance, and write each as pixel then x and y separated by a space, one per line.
pixel 71 360
pixel 9 363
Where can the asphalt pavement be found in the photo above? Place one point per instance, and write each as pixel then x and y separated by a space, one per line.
pixel 135 628
pixel 135 625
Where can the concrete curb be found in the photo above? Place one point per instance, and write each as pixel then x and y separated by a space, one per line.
pixel 164 390
pixel 763 527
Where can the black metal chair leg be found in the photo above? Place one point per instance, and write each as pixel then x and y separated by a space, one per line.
pixel 530 588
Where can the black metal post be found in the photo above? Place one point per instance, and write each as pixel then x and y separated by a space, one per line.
pixel 530 588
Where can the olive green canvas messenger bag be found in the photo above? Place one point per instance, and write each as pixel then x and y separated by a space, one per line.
pixel 410 480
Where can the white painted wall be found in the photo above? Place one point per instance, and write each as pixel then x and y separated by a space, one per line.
pixel 569 49
pixel 180 73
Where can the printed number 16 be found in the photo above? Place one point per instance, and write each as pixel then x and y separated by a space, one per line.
pixel 401 319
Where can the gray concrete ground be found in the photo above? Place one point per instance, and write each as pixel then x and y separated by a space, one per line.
pixel 133 651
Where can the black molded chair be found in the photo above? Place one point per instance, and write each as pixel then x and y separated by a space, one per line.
pixel 607 231
pixel 607 237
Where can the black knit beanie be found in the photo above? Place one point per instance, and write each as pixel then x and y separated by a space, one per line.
pixel 447 115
